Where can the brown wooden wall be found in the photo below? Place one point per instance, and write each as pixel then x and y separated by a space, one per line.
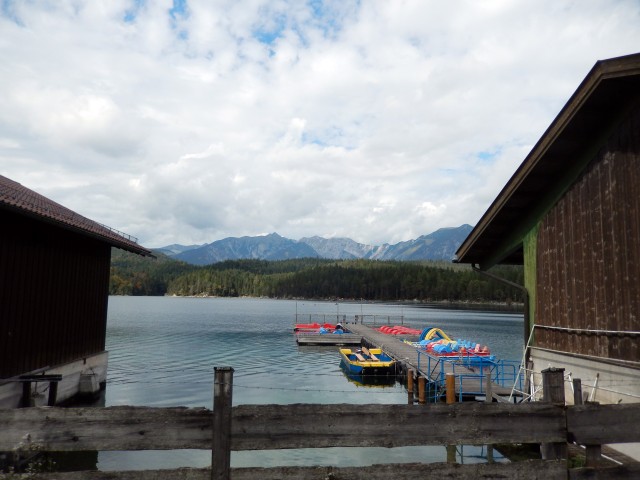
pixel 588 255
pixel 53 295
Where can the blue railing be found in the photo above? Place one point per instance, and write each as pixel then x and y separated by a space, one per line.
pixel 505 373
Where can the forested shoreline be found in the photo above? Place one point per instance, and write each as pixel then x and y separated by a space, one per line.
pixel 312 278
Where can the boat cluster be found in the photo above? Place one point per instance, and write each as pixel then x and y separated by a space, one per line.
pixel 375 363
pixel 398 330
pixel 319 328
pixel 436 342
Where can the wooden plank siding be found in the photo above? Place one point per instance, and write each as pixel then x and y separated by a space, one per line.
pixel 54 287
pixel 588 263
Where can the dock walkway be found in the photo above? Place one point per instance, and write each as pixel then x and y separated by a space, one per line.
pixel 433 368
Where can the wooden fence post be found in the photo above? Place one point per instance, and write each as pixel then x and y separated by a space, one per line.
pixel 553 392
pixel 222 402
pixel 577 392
pixel 593 453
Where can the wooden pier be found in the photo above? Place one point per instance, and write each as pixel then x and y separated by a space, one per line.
pixel 468 382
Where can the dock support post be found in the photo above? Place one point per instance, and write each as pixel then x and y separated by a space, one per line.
pixel 222 401
pixel 553 392
pixel 410 386
pixel 450 384
pixel 451 454
pixel 421 390
pixel 450 387
pixel 488 398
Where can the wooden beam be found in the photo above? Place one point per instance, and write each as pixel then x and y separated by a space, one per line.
pixel 259 427
pixel 270 427
pixel 601 424
pixel 279 426
pixel 111 428
pixel 526 470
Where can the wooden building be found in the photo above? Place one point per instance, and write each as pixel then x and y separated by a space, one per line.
pixel 571 215
pixel 54 287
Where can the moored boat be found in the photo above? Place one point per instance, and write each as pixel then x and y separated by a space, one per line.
pixel 306 328
pixel 398 330
pixel 313 327
pixel 437 343
pixel 365 361
pixel 361 380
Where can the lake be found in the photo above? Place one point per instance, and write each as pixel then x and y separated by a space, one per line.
pixel 162 351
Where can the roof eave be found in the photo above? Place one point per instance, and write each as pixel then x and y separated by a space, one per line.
pixel 601 71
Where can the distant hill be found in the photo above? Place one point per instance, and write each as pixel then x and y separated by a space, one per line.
pixel 439 245
pixel 267 247
pixel 339 248
pixel 175 249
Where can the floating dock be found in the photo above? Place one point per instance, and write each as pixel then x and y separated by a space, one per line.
pixel 470 383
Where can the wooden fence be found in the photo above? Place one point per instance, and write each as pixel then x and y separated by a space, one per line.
pixel 272 427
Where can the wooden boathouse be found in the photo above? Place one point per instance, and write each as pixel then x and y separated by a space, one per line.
pixel 54 286
pixel 571 215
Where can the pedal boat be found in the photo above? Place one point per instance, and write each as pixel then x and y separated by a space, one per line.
pixel 363 361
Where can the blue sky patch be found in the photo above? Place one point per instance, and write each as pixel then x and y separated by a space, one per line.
pixel 269 33
pixel 130 14
pixel 9 12
pixel 487 156
pixel 179 9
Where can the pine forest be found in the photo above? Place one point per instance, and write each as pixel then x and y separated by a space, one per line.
pixel 313 278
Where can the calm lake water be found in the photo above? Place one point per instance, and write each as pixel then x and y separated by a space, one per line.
pixel 162 351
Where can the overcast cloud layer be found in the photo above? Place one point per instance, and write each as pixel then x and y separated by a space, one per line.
pixel 190 121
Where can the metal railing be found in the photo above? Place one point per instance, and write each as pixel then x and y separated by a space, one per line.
pixel 118 232
pixel 504 373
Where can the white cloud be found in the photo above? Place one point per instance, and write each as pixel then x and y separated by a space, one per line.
pixel 380 121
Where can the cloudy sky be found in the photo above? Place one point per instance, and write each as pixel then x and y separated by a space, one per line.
pixel 188 121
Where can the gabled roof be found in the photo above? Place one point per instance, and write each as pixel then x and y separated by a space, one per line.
pixel 15 197
pixel 609 89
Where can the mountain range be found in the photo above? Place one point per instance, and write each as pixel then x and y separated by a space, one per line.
pixel 439 245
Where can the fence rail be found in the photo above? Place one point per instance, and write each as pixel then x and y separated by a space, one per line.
pixel 272 427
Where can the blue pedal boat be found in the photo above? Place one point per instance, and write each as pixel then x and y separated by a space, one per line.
pixel 363 361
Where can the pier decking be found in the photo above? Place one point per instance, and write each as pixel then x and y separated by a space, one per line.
pixel 468 382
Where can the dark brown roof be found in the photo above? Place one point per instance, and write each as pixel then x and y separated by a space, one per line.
pixel 609 88
pixel 13 196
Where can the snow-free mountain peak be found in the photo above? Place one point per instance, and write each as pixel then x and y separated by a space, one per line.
pixel 439 245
